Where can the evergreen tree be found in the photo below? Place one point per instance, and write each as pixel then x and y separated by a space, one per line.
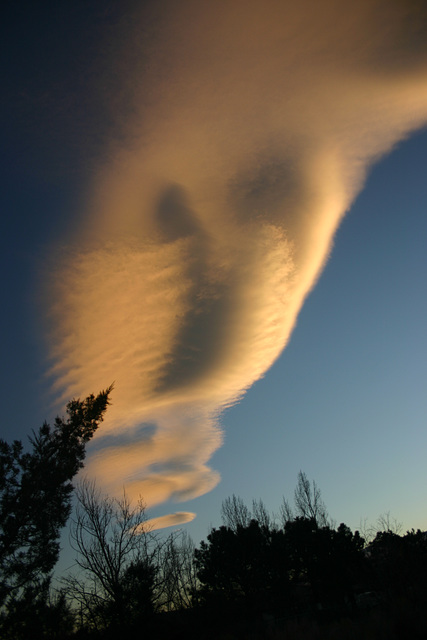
pixel 35 496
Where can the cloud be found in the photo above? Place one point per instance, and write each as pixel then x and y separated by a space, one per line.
pixel 252 129
pixel 170 520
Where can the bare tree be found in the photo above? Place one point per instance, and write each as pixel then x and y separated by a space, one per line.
pixel 178 583
pixel 235 513
pixel 261 515
pixel 308 500
pixel 385 522
pixel 286 512
pixel 308 503
pixel 116 573
pixel 367 530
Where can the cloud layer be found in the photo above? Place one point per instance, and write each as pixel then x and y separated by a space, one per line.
pixel 252 128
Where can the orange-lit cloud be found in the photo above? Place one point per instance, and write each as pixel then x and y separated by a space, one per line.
pixel 171 520
pixel 253 126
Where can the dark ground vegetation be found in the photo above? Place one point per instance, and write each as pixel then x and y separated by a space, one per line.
pixel 295 577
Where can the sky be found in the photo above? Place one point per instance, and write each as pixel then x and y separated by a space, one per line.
pixel 220 206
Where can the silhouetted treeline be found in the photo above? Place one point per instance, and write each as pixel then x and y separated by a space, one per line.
pixel 256 576
pixel 269 577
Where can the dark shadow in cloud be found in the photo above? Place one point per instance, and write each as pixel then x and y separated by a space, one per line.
pixel 272 187
pixel 145 432
pixel 405 44
pixel 200 331
pixel 199 340
pixel 174 217
pixel 260 189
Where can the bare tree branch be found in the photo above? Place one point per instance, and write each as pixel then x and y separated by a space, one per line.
pixel 235 513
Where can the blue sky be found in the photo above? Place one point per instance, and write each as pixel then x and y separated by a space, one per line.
pixel 346 401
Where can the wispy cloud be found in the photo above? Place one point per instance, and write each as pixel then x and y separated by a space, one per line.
pixel 171 520
pixel 253 127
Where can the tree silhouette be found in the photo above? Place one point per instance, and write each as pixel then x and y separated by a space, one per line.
pixel 35 498
pixel 235 513
pixel 177 574
pixel 308 503
pixel 399 565
pixel 243 567
pixel 116 583
pixel 329 560
pixel 254 566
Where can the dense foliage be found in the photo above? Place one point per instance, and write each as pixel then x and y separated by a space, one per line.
pixel 255 577
pixel 35 502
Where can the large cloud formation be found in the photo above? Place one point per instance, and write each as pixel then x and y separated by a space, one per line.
pixel 250 133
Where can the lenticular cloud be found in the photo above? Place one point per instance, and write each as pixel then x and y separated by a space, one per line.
pixel 252 128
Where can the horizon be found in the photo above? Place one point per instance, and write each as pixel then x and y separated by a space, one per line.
pixel 241 248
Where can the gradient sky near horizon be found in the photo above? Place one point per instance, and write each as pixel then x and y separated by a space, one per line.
pixel 174 184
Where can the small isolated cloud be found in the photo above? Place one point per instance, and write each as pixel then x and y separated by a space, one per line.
pixel 170 520
pixel 253 127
